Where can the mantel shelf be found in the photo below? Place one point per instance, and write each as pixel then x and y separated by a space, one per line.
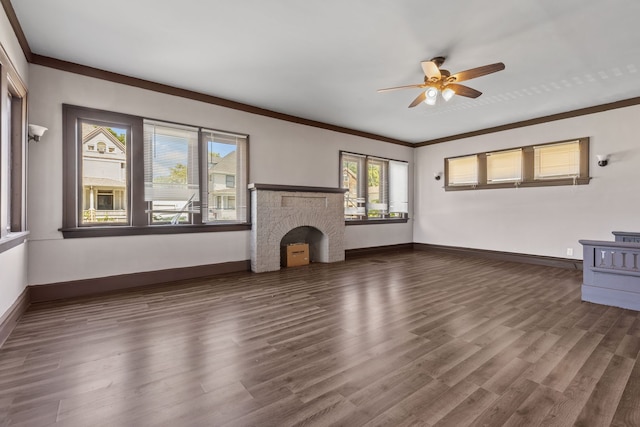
pixel 296 188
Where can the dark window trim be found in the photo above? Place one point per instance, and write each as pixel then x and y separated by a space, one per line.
pixel 72 115
pixel 72 157
pixel 527 169
pixel 13 167
pixel 18 167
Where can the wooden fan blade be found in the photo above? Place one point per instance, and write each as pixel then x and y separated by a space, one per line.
pixel 420 98
pixel 476 72
pixel 399 87
pixel 431 70
pixel 464 90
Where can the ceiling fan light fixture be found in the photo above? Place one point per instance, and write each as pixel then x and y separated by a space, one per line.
pixel 448 93
pixel 430 96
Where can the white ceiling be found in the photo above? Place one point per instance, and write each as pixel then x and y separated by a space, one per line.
pixel 324 60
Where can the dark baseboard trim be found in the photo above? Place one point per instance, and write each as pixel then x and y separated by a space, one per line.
pixel 571 264
pixel 375 250
pixel 101 285
pixel 9 320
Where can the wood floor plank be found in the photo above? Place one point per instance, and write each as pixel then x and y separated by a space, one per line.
pixel 602 404
pixel 502 408
pixel 628 410
pixel 534 409
pixel 560 377
pixel 506 376
pixel 551 358
pixel 469 409
pixel 444 403
pixel 629 347
pixel 401 339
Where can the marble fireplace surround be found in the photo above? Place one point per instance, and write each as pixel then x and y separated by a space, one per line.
pixel 278 209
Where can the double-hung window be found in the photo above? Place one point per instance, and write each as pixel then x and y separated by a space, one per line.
pixel 13 142
pixel 130 175
pixel 376 188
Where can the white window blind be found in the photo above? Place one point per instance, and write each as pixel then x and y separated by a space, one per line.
pixel 557 160
pixel 398 187
pixel 504 166
pixel 463 170
pixel 170 163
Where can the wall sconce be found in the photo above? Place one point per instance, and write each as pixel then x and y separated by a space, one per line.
pixel 603 159
pixel 437 175
pixel 35 132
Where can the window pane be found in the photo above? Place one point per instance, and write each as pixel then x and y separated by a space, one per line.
pixel 352 171
pixel 463 170
pixel 171 177
pixel 398 188
pixel 504 166
pixel 104 181
pixel 378 198
pixel 557 160
pixel 226 176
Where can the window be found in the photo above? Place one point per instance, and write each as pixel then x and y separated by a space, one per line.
pixel 556 163
pixel 463 170
pixel 171 173
pixel 226 156
pixel 102 178
pixel 353 181
pixel 377 188
pixel 504 166
pixel 159 177
pixel 13 142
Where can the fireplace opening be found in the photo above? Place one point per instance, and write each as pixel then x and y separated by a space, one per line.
pixel 318 242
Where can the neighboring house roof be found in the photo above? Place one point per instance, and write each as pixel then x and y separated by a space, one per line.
pixel 102 182
pixel 226 165
pixel 102 130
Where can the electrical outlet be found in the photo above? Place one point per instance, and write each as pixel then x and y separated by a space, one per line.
pixel 570 251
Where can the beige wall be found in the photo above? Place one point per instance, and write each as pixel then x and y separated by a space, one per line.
pixel 280 153
pixel 541 220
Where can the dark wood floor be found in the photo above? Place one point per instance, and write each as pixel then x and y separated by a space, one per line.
pixel 405 339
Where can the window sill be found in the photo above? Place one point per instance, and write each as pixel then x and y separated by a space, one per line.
pixel 12 240
pixel 112 231
pixel 539 183
pixel 376 221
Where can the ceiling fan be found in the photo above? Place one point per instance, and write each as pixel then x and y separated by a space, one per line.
pixel 438 81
